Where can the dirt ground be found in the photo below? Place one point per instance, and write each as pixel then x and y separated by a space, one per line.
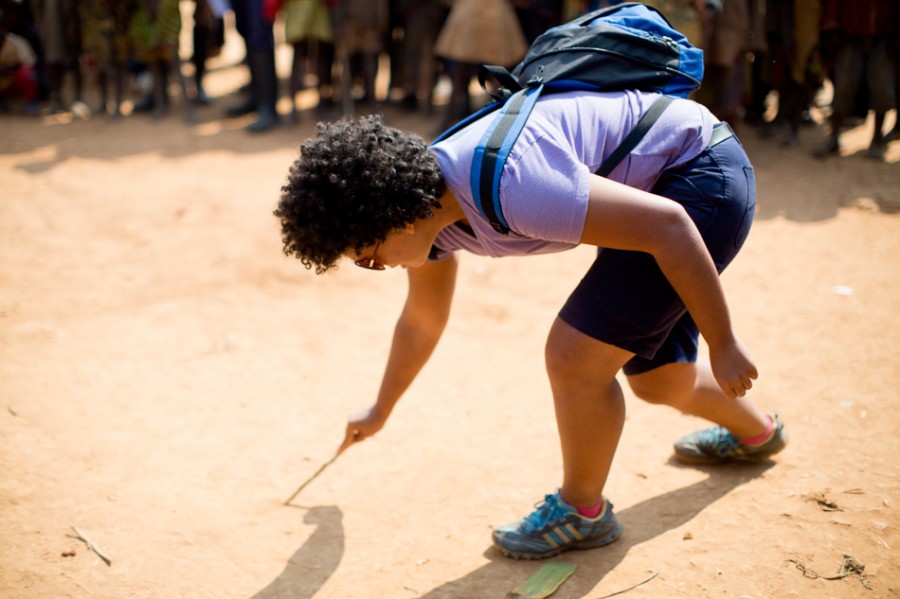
pixel 168 378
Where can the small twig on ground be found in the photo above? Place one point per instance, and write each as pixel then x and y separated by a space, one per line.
pixel 12 411
pixel 631 588
pixel 850 566
pixel 311 478
pixel 90 545
pixel 824 502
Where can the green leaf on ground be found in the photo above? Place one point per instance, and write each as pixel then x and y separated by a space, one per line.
pixel 544 582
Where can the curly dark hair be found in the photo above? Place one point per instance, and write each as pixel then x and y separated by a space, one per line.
pixel 354 183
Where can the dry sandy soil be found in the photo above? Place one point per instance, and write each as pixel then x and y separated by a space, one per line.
pixel 168 378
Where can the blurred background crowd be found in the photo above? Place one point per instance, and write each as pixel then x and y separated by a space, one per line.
pixel 770 64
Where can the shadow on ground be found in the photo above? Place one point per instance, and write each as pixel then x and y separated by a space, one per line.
pixel 642 522
pixel 316 560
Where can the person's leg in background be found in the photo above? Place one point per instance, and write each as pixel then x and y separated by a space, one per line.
pixel 880 80
pixel 848 71
pixel 260 41
pixel 204 23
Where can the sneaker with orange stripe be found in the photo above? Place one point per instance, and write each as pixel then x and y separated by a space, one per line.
pixel 554 527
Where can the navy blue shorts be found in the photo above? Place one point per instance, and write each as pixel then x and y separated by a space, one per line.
pixel 625 300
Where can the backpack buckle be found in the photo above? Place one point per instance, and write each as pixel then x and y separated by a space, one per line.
pixel 537 79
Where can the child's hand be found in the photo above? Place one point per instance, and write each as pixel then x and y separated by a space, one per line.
pixel 362 425
pixel 733 368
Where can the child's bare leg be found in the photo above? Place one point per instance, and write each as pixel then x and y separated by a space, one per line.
pixel 692 389
pixel 324 64
pixel 298 72
pixel 590 413
pixel 590 409
pixel 878 146
pixel 370 72
pixel 346 77
pixel 160 88
pixel 201 35
pixel 174 63
pixel 79 81
pixel 118 74
pixel 55 75
pixel 102 85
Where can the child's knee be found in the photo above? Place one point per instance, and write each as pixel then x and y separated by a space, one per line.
pixel 651 393
pixel 572 357
pixel 662 387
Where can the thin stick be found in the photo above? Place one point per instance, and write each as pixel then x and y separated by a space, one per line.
pixel 311 478
pixel 90 545
pixel 632 587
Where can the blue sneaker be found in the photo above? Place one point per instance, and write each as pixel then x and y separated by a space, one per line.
pixel 716 446
pixel 554 527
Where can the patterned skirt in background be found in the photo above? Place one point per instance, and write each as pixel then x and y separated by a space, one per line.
pixel 482 32
pixel 104 31
pixel 156 38
pixel 307 20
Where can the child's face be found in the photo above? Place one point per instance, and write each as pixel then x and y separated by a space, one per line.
pixel 402 247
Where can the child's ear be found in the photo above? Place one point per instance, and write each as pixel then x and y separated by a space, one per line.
pixel 409 229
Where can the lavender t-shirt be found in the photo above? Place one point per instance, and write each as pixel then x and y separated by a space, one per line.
pixel 544 185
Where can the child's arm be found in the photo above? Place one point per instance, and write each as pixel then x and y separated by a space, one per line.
pixel 418 330
pixel 625 218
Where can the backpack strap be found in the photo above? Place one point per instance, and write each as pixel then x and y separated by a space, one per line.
pixel 508 83
pixel 459 126
pixel 491 153
pixel 635 136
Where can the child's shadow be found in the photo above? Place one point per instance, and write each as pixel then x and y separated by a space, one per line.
pixel 641 522
pixel 316 560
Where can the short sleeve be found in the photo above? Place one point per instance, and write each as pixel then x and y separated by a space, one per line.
pixel 544 192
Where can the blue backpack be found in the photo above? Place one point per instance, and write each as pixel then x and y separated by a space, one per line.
pixel 623 47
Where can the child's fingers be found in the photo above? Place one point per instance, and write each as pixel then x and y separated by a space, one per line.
pixel 352 436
